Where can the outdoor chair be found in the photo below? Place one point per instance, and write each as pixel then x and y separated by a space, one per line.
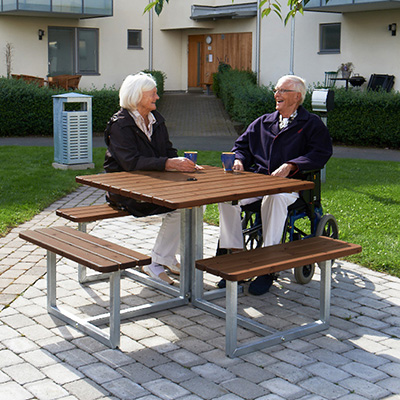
pixel 329 82
pixel 381 82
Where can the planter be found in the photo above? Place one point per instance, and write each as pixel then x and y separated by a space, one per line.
pixel 346 74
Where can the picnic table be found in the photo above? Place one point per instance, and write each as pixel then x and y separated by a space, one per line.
pixel 189 192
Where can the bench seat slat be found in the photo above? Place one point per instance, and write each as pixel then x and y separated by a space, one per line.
pixel 266 260
pixel 85 249
pixel 91 213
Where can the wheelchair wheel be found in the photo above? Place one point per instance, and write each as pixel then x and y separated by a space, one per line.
pixel 252 230
pixel 328 226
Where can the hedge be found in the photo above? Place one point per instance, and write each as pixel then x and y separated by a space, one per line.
pixel 27 109
pixel 360 117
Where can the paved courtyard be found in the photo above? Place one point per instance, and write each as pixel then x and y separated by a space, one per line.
pixel 179 353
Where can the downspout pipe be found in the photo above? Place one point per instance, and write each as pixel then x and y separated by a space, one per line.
pixel 151 40
pixel 258 40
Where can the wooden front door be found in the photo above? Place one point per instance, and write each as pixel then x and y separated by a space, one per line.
pixel 234 49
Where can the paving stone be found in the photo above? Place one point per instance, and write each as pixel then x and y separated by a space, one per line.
pixel 46 389
pixel 204 388
pixel 125 389
pixel 149 357
pixel 364 388
pixel 76 357
pixel 213 372
pixel 62 373
pixel 364 372
pixel 8 358
pixel 138 373
pixel 323 388
pixel 287 371
pixel 365 358
pixel 24 373
pixel 7 333
pixel 14 391
pixel 100 373
pixel 113 357
pixel 20 345
pixel 283 388
pixel 185 358
pixel 293 357
pixel 85 389
pixel 175 372
pixel 391 384
pixel 251 372
pixel 328 372
pixel 244 388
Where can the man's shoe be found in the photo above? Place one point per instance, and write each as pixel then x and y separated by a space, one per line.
pixel 156 271
pixel 261 285
pixel 221 284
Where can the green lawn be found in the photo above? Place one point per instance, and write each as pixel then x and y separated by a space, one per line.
pixel 364 196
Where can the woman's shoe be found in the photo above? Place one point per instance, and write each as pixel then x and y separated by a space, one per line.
pixel 261 284
pixel 174 269
pixel 156 271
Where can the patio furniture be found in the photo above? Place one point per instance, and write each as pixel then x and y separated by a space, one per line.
pixel 381 82
pixel 67 82
pixel 30 79
pixel 329 82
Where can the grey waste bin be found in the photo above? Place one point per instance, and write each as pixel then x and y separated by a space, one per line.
pixel 72 118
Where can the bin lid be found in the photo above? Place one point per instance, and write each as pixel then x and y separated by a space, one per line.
pixel 72 95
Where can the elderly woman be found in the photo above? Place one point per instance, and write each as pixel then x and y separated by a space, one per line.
pixel 137 139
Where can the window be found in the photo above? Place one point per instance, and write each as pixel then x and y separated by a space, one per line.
pixel 73 51
pixel 329 38
pixel 134 39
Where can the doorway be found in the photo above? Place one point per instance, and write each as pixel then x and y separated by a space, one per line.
pixel 207 51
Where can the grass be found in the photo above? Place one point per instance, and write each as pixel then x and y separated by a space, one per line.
pixel 363 195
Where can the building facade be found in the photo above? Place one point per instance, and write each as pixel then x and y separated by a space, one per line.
pixel 105 40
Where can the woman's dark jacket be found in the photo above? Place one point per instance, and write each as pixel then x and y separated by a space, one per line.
pixel 129 149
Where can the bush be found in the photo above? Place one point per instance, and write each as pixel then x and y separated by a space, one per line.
pixel 360 118
pixel 27 109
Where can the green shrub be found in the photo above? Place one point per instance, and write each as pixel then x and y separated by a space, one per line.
pixel 27 110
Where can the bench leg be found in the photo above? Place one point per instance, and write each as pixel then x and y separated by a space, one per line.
pixel 231 318
pixel 115 304
pixel 113 338
pixel 325 291
pixel 82 270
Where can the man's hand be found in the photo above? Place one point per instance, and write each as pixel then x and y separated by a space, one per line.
pixel 238 165
pixel 284 170
pixel 181 164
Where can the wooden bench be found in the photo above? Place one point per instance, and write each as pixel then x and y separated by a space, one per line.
pixel 84 215
pixel 267 260
pixel 92 252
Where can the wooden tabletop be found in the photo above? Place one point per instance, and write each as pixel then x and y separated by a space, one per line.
pixel 185 190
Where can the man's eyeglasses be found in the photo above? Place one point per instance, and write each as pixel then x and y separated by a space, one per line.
pixel 282 91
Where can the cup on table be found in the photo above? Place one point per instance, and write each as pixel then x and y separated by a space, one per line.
pixel 228 159
pixel 191 155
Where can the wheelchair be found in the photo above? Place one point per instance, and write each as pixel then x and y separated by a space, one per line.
pixel 305 219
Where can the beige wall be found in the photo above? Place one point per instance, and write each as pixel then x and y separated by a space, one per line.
pixel 366 42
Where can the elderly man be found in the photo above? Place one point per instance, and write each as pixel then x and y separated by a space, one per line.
pixel 283 144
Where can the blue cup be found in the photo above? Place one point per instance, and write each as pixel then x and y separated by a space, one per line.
pixel 191 155
pixel 228 159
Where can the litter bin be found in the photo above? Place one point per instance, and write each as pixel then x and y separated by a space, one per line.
pixel 72 118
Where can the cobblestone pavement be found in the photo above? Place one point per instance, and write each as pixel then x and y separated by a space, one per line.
pixel 179 353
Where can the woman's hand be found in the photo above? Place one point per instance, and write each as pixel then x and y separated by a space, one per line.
pixel 181 164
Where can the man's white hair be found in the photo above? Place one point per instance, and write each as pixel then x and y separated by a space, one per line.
pixel 299 84
pixel 132 88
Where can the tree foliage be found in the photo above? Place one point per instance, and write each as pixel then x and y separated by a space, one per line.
pixel 266 6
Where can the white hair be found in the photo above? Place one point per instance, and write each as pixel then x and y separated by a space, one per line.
pixel 299 83
pixel 132 88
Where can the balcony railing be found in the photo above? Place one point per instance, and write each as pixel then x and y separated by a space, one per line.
pixel 58 8
pixel 343 6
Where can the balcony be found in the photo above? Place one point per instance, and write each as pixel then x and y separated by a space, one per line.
pixel 57 8
pixel 344 6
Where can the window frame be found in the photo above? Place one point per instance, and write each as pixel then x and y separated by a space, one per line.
pixel 321 38
pixel 134 47
pixel 75 48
